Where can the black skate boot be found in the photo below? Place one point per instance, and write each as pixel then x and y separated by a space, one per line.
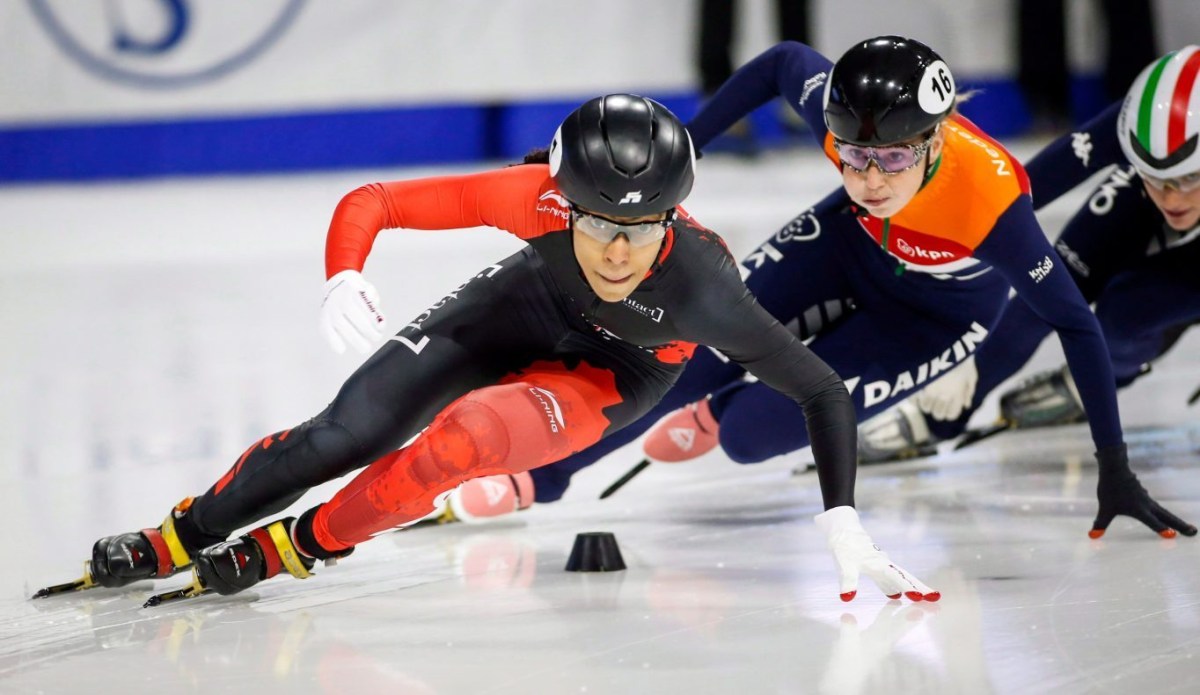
pixel 236 565
pixel 1043 400
pixel 151 553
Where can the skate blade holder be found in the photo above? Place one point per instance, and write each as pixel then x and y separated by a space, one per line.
pixel 84 582
pixel 192 590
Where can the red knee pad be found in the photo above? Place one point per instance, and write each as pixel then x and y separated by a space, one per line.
pixel 499 429
pixel 527 421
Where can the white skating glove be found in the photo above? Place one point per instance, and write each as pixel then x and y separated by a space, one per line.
pixel 350 312
pixel 855 553
pixel 946 398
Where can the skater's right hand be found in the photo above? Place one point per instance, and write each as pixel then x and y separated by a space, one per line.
pixel 946 398
pixel 350 312
pixel 1119 492
pixel 855 553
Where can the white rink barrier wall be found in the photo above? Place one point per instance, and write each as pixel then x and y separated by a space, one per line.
pixel 131 88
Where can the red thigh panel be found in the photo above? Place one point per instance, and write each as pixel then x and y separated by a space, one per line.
pixel 529 419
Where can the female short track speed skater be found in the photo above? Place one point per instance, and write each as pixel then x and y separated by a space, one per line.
pixel 898 277
pixel 539 355
pixel 1131 249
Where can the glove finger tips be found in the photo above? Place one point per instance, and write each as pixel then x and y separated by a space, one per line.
pixel 1103 519
pixel 848 584
pixel 921 587
pixel 890 582
pixel 904 582
pixel 1173 521
pixel 1148 518
pixel 848 596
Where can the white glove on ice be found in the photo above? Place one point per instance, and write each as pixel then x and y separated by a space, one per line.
pixel 855 553
pixel 350 312
pixel 946 398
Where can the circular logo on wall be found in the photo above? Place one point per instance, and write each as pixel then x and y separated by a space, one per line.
pixel 164 43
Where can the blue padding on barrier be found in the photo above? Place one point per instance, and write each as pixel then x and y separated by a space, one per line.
pixel 1000 109
pixel 997 107
pixel 393 137
pixel 385 137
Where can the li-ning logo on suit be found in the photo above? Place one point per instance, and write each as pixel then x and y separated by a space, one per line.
pixel 549 403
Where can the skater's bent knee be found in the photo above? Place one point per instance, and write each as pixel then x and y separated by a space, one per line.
pixel 500 429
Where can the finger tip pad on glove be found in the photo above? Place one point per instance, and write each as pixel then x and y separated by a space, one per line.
pixel 848 596
pixel 1095 533
pixel 1167 533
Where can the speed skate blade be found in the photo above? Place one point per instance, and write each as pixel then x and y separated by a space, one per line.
pixel 189 591
pixel 629 475
pixel 975 436
pixel 84 582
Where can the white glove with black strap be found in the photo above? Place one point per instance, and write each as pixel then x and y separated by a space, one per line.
pixel 856 554
pixel 946 398
pixel 350 312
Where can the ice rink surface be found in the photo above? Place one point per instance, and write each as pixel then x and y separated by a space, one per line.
pixel 152 330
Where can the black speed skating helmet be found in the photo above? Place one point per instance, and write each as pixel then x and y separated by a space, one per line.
pixel 887 90
pixel 622 155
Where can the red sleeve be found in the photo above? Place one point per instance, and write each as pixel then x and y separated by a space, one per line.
pixel 504 198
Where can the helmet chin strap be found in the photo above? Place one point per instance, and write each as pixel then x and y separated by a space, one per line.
pixel 931 166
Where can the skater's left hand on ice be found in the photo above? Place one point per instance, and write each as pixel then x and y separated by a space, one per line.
pixel 946 398
pixel 1120 492
pixel 855 554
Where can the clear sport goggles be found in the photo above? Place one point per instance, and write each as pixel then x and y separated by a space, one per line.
pixel 890 160
pixel 605 230
pixel 1183 184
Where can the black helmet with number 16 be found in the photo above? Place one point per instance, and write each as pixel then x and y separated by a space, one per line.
pixel 887 90
pixel 623 155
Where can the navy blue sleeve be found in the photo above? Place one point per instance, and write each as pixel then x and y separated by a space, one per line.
pixel 789 69
pixel 1017 248
pixel 1008 347
pixel 1074 157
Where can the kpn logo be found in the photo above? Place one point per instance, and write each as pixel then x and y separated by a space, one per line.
pixel 162 44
